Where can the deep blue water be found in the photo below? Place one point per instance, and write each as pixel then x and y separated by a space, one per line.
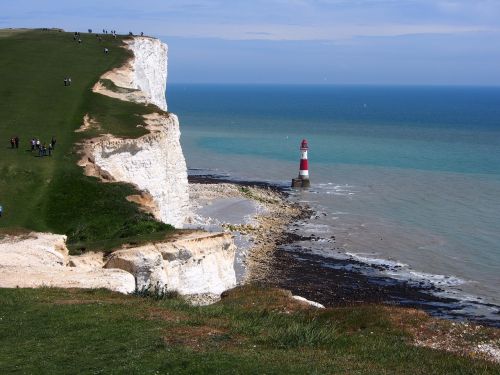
pixel 454 129
pixel 410 174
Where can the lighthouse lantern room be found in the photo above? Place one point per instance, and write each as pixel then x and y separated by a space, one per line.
pixel 303 179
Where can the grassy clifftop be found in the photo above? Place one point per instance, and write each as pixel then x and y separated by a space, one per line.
pixel 251 331
pixel 51 193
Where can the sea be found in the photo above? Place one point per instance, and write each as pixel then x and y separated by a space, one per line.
pixel 407 177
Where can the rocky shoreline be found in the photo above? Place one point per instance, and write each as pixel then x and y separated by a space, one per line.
pixel 278 259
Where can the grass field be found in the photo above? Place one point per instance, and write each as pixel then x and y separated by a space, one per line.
pixel 51 193
pixel 252 331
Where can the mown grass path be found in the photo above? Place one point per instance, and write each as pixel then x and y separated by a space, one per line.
pixel 51 193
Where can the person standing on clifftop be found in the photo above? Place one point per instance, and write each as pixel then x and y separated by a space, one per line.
pixel 1 211
pixel 16 140
pixel 53 142
pixel 12 142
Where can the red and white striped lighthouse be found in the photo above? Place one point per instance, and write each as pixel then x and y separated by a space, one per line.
pixel 303 180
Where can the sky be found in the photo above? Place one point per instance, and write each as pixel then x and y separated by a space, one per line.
pixel 390 42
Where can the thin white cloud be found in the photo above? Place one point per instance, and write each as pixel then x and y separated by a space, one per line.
pixel 331 33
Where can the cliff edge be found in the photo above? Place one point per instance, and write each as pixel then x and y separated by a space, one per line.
pixel 154 163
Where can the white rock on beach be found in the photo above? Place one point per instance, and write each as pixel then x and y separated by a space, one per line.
pixel 309 302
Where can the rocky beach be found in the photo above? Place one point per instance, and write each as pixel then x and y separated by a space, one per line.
pixel 274 255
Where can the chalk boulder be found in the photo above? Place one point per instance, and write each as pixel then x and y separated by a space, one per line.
pixel 308 302
pixel 200 263
pixel 145 263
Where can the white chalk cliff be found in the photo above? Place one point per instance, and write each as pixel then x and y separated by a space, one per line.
pixel 154 162
pixel 197 263
pixel 41 259
pixel 145 74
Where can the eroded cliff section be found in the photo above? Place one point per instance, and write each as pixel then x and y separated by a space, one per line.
pixel 144 75
pixel 41 259
pixel 154 163
pixel 195 264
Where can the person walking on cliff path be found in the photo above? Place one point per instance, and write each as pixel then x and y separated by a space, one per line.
pixel 50 149
pixel 16 140
pixel 53 142
pixel 12 142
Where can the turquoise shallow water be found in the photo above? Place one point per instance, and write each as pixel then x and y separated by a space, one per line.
pixel 409 175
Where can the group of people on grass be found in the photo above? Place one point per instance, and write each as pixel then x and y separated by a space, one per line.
pixel 14 142
pixel 35 145
pixel 42 148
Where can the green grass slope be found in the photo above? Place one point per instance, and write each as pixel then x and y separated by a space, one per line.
pixel 251 331
pixel 51 193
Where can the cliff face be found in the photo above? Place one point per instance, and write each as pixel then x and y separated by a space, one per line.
pixel 198 263
pixel 150 69
pixel 41 259
pixel 155 162
pixel 195 264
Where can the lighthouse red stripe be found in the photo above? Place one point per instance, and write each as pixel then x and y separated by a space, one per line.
pixel 304 165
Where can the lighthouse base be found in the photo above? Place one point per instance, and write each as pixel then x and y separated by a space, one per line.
pixel 300 183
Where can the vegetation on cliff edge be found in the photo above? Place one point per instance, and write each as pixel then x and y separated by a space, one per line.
pixel 51 193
